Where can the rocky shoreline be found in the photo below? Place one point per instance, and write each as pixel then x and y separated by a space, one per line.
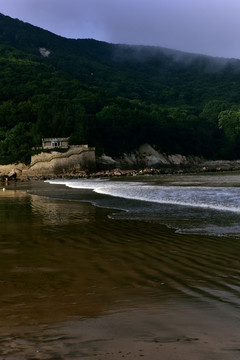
pixel 144 162
pixel 206 167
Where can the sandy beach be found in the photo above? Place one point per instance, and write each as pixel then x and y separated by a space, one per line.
pixel 78 284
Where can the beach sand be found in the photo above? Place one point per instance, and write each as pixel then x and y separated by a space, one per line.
pixel 76 284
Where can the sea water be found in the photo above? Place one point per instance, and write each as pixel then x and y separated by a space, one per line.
pixel 190 203
pixel 121 268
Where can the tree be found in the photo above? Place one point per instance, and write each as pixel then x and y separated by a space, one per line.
pixel 229 123
pixel 17 145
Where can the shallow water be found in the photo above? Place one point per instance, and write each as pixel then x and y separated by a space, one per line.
pixel 204 204
pixel 82 282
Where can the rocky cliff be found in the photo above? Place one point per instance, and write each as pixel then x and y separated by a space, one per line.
pixel 76 159
pixel 80 161
pixel 146 157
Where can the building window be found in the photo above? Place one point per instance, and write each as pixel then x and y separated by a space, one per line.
pixel 56 143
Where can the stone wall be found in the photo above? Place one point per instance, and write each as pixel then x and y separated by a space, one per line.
pixel 77 158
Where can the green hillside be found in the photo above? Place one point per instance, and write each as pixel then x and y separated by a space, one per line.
pixel 113 97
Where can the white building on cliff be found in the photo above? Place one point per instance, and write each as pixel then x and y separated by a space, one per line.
pixel 52 143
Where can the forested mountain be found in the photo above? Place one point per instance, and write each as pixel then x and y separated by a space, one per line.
pixel 113 97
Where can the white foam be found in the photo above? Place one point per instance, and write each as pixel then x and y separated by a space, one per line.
pixel 216 198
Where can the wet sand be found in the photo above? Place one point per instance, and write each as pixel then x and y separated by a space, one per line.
pixel 76 284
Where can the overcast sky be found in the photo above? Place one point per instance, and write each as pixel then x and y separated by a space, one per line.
pixel 209 27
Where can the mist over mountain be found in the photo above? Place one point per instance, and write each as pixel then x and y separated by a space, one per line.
pixel 100 63
pixel 113 96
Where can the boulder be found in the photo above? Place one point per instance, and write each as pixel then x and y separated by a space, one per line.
pixel 178 159
pixel 152 157
pixel 105 162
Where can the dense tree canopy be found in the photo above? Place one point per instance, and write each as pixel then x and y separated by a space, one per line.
pixel 113 97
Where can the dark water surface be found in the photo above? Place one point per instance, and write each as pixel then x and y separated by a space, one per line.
pixel 77 283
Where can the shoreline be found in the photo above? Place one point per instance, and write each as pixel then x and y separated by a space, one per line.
pixel 76 283
pixel 207 167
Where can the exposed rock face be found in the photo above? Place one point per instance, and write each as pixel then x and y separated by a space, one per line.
pixel 151 157
pixel 145 157
pixel 75 159
pixel 44 52
pixel 80 161
pixel 105 162
pixel 11 171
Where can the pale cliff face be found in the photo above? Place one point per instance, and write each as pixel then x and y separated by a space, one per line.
pixel 145 156
pixel 44 52
pixel 75 159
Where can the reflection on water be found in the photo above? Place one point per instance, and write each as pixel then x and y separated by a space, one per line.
pixel 55 213
pixel 6 193
pixel 76 284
